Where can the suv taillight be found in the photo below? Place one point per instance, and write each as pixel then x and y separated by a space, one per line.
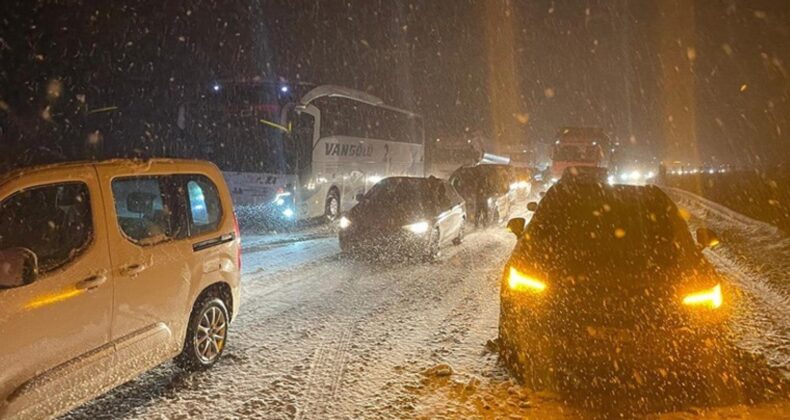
pixel 237 232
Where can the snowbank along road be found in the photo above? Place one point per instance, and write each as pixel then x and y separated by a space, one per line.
pixel 323 336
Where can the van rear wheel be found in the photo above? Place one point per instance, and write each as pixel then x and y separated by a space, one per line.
pixel 207 334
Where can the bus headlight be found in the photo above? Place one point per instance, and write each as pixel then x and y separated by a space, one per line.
pixel 521 282
pixel 418 228
pixel 279 198
pixel 288 213
pixel 344 222
pixel 710 298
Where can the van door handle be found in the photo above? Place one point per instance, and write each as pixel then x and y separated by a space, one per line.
pixel 133 269
pixel 91 282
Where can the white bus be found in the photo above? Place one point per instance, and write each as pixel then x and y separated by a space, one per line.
pixel 287 152
pixel 337 143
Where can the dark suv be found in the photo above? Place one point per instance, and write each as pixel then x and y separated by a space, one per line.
pixel 606 284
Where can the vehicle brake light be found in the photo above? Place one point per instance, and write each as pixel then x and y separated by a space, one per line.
pixel 711 298
pixel 522 283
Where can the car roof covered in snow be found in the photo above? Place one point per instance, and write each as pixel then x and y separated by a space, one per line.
pixel 134 164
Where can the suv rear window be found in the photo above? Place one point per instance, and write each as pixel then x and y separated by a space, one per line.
pixel 624 223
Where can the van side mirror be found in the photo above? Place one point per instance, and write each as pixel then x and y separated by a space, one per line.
pixel 360 197
pixel 18 267
pixel 516 226
pixel 707 238
pixel 532 206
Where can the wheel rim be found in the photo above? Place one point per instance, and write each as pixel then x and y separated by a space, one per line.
pixel 210 334
pixel 332 207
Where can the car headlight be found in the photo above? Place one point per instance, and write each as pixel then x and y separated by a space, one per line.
pixel 418 228
pixel 344 222
pixel 710 298
pixel 521 282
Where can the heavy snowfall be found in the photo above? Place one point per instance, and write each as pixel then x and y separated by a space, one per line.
pixel 200 200
pixel 322 335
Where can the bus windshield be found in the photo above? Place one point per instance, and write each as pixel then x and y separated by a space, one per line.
pixel 244 133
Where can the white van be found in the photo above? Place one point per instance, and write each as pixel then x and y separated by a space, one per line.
pixel 107 270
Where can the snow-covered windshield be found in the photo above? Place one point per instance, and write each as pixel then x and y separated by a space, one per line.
pixel 389 209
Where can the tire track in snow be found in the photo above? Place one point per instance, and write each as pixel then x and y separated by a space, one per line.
pixel 319 340
pixel 326 371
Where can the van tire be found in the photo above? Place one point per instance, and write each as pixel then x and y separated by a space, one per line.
pixel 208 324
pixel 332 205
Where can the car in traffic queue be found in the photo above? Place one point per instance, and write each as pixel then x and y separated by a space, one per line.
pixel 489 191
pixel 606 287
pixel 108 269
pixel 405 216
pixel 522 181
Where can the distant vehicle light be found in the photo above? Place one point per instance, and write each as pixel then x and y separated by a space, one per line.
pixel 418 228
pixel 288 213
pixel 623 176
pixel 711 298
pixel 610 179
pixel 711 171
pixel 284 89
pixel 520 282
pixel 216 87
pixel 650 175
pixel 344 222
pixel 636 176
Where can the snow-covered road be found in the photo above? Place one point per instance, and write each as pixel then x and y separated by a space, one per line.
pixel 322 336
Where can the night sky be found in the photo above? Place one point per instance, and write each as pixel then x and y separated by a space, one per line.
pixel 666 79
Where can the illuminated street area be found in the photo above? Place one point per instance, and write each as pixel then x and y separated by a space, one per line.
pixel 324 336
